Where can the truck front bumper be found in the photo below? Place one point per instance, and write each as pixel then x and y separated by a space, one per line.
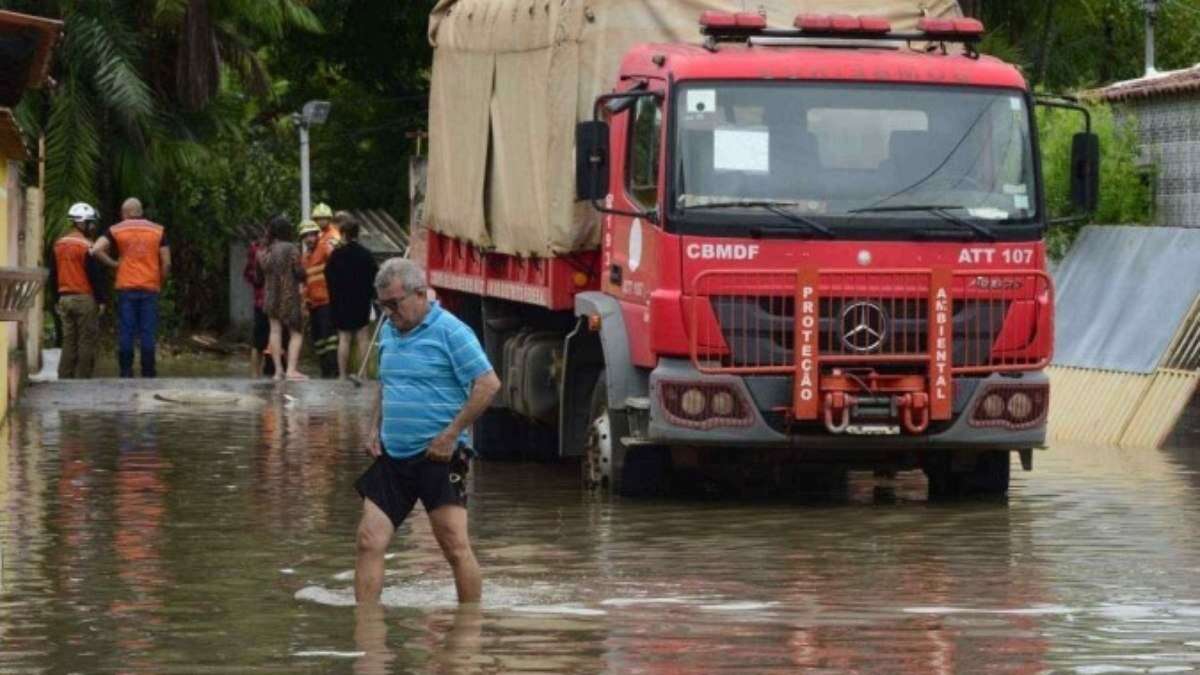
pixel 765 426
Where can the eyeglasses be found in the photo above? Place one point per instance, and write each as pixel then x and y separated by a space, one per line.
pixel 393 304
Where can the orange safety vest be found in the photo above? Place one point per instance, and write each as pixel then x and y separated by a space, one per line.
pixel 70 258
pixel 316 289
pixel 138 267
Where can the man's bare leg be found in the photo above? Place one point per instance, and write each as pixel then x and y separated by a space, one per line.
pixel 450 529
pixel 343 354
pixel 374 533
pixel 362 343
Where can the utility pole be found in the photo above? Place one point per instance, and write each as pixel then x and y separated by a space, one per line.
pixel 305 181
pixel 1151 9
pixel 313 113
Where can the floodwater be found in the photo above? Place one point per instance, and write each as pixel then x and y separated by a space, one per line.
pixel 144 536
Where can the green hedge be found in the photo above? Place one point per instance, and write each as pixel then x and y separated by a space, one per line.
pixel 1125 189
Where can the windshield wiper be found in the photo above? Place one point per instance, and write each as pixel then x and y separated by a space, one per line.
pixel 776 207
pixel 940 210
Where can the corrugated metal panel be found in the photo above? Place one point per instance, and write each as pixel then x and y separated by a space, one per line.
pixel 1160 408
pixel 1184 352
pixel 1122 294
pixel 1092 405
pixel 1112 408
pixel 381 234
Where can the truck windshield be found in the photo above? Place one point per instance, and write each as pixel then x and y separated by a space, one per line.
pixel 842 153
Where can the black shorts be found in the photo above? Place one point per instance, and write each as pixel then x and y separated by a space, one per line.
pixel 262 329
pixel 395 485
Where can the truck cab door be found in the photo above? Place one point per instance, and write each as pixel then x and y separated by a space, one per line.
pixel 631 243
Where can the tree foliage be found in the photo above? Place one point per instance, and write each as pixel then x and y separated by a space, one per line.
pixel 1125 195
pixel 1065 45
pixel 188 105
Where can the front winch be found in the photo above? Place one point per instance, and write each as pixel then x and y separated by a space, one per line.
pixel 856 395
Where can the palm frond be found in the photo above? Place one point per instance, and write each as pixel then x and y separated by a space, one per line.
pixel 101 47
pixel 300 16
pixel 241 58
pixel 72 154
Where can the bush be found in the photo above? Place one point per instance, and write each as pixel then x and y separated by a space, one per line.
pixel 1125 194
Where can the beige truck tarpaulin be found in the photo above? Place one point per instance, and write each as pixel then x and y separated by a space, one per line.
pixel 512 77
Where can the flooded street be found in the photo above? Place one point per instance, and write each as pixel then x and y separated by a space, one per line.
pixel 140 535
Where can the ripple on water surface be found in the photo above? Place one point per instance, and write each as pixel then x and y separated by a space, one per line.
pixel 136 535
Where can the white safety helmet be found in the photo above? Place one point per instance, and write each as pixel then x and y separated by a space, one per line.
pixel 81 212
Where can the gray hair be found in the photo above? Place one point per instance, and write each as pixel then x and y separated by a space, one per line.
pixel 131 208
pixel 403 270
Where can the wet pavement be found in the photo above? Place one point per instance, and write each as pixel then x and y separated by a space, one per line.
pixel 141 535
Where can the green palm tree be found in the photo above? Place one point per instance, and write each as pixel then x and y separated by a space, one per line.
pixel 141 85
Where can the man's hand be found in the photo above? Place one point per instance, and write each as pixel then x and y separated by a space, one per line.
pixel 441 449
pixel 374 448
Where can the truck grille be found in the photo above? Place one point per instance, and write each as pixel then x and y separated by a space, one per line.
pixel 761 330
pixel 747 322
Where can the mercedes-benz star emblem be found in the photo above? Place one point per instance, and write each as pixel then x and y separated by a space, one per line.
pixel 864 327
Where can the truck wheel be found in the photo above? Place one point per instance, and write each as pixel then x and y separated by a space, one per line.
pixel 607 464
pixel 988 478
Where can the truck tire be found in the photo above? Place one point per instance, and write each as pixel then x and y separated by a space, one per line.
pixel 608 465
pixel 989 477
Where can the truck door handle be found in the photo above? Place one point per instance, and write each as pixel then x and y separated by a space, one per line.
pixel 614 274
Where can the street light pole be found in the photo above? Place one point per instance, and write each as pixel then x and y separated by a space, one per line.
pixel 313 113
pixel 1151 8
pixel 305 180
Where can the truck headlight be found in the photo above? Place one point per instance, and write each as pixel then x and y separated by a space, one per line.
pixel 692 402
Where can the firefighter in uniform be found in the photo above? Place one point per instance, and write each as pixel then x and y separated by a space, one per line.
pixel 79 286
pixel 316 290
pixel 144 260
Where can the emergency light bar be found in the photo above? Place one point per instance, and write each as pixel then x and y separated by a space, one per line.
pixel 736 27
pixel 843 23
pixel 723 21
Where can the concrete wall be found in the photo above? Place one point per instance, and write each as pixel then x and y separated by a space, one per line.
pixel 241 296
pixel 9 199
pixel 1170 133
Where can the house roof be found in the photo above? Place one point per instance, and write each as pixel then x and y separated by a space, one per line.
pixel 1167 83
pixel 26 45
pixel 380 234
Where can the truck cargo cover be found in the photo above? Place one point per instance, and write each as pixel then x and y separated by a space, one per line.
pixel 512 77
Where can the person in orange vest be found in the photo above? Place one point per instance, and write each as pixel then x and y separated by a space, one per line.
pixel 79 285
pixel 143 263
pixel 316 289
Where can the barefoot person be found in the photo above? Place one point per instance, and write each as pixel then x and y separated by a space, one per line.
pixel 282 273
pixel 434 381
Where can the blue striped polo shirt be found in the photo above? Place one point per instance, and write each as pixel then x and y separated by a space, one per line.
pixel 426 374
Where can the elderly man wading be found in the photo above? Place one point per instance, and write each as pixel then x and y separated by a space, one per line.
pixel 434 381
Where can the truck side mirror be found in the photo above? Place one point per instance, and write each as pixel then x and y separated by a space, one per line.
pixel 591 160
pixel 1085 171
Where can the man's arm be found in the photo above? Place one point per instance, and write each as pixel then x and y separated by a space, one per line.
pixel 100 252
pixel 99 283
pixel 483 391
pixel 164 260
pixel 374 446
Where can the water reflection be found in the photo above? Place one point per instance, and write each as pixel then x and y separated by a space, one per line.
pixel 140 539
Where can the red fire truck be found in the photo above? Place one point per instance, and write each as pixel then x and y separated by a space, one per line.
pixel 817 244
